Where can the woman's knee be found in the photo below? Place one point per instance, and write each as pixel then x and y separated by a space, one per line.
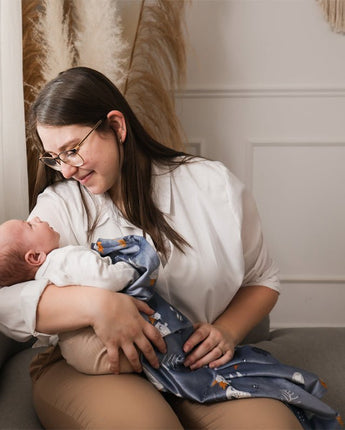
pixel 65 398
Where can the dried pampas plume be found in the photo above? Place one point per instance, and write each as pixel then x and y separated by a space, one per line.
pixel 98 38
pixel 157 67
pixel 32 50
pixel 53 27
pixel 66 33
pixel 46 51
pixel 334 12
pixel 33 56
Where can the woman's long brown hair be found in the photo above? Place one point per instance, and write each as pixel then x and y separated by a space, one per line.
pixel 83 96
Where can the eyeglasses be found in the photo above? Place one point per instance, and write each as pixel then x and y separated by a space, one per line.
pixel 70 157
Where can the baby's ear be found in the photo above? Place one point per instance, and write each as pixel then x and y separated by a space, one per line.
pixel 35 258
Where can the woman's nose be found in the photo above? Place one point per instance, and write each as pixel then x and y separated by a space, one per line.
pixel 36 219
pixel 68 171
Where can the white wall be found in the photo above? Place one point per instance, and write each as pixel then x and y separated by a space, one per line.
pixel 266 95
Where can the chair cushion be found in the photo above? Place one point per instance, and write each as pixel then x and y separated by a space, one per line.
pixel 16 410
pixel 9 347
pixel 318 350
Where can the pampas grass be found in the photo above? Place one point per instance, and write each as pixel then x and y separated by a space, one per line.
pixel 46 51
pixel 32 51
pixel 53 27
pixel 32 75
pixel 98 38
pixel 334 12
pixel 157 67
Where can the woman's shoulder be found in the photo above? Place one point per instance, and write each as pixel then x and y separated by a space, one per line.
pixel 207 174
pixel 62 189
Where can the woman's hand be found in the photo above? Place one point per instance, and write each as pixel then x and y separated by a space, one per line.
pixel 208 345
pixel 214 344
pixel 118 323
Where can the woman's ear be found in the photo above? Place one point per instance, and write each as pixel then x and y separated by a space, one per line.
pixel 118 124
pixel 35 258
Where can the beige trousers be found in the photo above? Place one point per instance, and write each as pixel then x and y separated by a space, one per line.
pixel 67 399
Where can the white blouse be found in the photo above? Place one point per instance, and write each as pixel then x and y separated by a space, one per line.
pixel 203 202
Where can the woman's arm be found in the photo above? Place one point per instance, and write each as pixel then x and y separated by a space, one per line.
pixel 217 341
pixel 248 307
pixel 68 308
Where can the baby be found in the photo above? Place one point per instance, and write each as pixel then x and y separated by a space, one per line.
pixel 30 250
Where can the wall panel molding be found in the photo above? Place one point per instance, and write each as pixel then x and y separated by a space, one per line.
pixel 279 142
pixel 312 279
pixel 309 306
pixel 307 280
pixel 260 91
pixel 281 325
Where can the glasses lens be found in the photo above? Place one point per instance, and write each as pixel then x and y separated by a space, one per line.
pixel 72 158
pixel 51 162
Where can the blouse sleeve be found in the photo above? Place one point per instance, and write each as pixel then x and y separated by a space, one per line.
pixel 18 305
pixel 260 269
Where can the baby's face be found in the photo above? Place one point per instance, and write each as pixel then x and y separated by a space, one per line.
pixel 34 234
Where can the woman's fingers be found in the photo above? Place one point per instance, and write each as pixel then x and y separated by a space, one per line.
pixel 132 355
pixel 207 346
pixel 213 359
pixel 113 356
pixel 155 337
pixel 143 307
pixel 134 344
pixel 200 333
pixel 222 360
pixel 146 348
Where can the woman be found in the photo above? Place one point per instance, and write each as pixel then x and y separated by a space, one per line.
pixel 106 177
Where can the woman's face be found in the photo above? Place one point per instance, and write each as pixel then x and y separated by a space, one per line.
pixel 101 153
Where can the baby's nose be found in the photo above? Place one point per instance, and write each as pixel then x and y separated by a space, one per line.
pixel 36 219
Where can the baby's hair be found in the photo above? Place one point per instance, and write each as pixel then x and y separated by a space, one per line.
pixel 13 267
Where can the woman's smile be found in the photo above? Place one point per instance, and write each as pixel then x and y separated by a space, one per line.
pixel 83 179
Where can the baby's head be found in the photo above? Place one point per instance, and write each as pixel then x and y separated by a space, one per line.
pixel 24 246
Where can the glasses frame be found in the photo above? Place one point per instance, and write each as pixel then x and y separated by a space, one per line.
pixel 58 160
